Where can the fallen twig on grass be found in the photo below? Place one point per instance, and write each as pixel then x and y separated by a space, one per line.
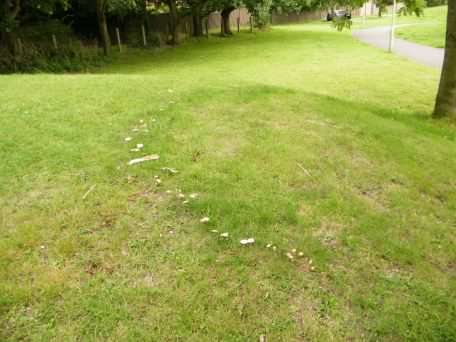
pixel 143 159
pixel 89 191
pixel 170 170
pixel 304 169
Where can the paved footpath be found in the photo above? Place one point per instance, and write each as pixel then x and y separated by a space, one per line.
pixel 379 37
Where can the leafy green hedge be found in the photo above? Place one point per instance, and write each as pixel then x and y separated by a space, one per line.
pixel 35 58
pixel 35 51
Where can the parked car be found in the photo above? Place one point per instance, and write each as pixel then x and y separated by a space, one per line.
pixel 338 14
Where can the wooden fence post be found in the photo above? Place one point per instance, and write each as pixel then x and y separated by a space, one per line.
pixel 20 49
pixel 54 42
pixel 118 39
pixel 207 27
pixel 143 30
pixel 81 48
pixel 251 23
pixel 239 24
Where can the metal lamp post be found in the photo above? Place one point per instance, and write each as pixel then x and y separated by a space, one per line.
pixel 393 24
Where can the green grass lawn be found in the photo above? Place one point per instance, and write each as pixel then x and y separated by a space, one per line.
pixel 302 138
pixel 428 29
pixel 431 29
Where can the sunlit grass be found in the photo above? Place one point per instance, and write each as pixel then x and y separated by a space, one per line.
pixel 428 29
pixel 431 30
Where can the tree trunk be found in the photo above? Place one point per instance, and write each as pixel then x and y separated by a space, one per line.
pixel 9 10
pixel 173 22
pixel 8 39
pixel 197 22
pixel 445 105
pixel 103 26
pixel 225 28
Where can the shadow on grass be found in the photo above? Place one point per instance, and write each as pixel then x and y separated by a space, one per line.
pixel 355 112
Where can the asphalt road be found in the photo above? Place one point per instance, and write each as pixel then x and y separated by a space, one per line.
pixel 379 37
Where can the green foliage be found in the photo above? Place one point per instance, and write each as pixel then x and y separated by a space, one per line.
pixel 118 8
pixel 293 6
pixel 382 5
pixel 8 24
pixel 262 14
pixel 44 6
pixel 123 7
pixel 34 50
pixel 154 39
pixel 41 32
pixel 219 5
pixel 337 3
pixel 36 58
pixel 413 7
pixel 341 23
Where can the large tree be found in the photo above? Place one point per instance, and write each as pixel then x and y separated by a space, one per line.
pixel 199 9
pixel 225 7
pixel 173 22
pixel 12 13
pixel 225 26
pixel 382 5
pixel 102 6
pixel 113 8
pixel 261 11
pixel 8 14
pixel 446 98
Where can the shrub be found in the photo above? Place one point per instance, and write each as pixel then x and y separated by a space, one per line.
pixel 41 32
pixel 154 39
pixel 35 51
pixel 341 23
pixel 262 14
pixel 35 58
